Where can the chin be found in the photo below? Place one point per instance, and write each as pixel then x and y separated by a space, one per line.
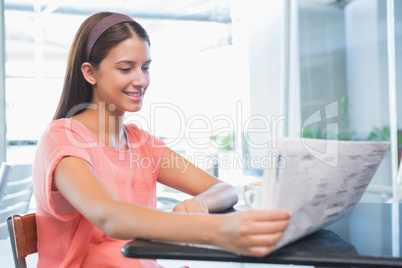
pixel 134 109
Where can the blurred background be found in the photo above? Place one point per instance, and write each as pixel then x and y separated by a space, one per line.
pixel 228 77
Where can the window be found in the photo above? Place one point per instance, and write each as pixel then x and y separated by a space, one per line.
pixel 227 75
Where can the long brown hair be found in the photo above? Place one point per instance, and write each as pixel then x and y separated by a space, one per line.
pixel 77 92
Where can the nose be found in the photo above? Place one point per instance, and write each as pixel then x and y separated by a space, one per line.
pixel 141 79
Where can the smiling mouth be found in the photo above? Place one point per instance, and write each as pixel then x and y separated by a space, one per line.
pixel 137 94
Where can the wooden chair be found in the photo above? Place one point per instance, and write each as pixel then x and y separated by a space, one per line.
pixel 23 239
pixel 15 192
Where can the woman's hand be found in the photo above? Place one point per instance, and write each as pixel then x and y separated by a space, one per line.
pixel 253 232
pixel 180 174
pixel 192 205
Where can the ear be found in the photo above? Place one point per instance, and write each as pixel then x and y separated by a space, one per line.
pixel 88 72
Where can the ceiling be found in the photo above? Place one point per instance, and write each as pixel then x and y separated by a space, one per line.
pixel 199 10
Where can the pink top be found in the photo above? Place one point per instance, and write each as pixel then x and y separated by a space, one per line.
pixel 65 237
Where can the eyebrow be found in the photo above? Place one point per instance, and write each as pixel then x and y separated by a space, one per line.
pixel 132 62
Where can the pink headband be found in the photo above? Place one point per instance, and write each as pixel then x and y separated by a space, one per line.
pixel 101 26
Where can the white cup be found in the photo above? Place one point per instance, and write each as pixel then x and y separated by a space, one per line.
pixel 253 195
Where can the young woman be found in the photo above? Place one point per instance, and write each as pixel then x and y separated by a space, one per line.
pixel 95 177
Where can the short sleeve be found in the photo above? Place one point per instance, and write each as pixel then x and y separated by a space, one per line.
pixel 62 138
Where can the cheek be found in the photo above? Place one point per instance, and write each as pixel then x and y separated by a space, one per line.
pixel 118 83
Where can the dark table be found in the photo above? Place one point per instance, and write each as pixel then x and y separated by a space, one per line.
pixel 370 237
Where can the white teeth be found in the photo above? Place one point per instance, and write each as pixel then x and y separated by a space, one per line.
pixel 133 94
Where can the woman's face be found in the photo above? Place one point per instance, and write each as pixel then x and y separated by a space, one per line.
pixel 123 77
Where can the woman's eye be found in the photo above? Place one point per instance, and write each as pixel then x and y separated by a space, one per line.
pixel 125 69
pixel 145 68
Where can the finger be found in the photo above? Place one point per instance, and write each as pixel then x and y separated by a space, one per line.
pixel 204 208
pixel 262 240
pixel 184 206
pixel 267 227
pixel 260 251
pixel 199 207
pixel 191 206
pixel 269 215
pixel 179 208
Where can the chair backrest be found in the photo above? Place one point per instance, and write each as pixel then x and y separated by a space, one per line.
pixel 15 192
pixel 23 239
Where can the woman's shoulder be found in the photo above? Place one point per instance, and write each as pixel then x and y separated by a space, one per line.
pixel 67 124
pixel 67 130
pixel 64 123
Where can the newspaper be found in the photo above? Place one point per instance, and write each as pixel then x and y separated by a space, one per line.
pixel 318 181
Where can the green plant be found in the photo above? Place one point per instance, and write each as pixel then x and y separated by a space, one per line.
pixel 224 142
pixel 383 134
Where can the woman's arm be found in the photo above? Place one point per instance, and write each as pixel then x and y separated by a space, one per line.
pixel 210 194
pixel 249 232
